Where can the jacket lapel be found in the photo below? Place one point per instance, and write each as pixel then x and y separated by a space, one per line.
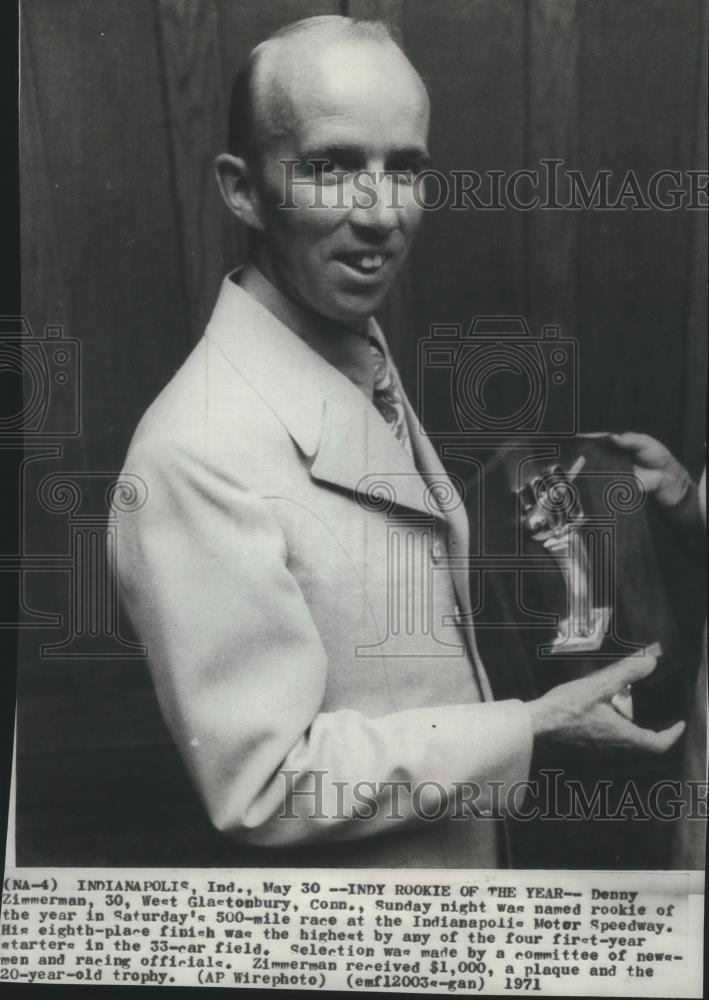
pixel 358 451
pixel 329 418
pixel 431 467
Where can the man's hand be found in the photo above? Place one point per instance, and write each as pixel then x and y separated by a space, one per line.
pixel 655 466
pixel 582 712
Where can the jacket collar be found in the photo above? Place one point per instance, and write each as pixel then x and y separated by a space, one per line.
pixel 346 349
pixel 328 417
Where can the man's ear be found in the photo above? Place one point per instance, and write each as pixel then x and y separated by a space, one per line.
pixel 236 183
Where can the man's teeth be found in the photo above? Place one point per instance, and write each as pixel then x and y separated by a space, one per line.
pixel 368 262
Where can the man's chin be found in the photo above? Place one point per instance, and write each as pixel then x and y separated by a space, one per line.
pixel 352 310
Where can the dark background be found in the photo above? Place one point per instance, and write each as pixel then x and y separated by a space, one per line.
pixel 125 241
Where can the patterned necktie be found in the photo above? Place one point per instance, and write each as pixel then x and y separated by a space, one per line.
pixel 387 396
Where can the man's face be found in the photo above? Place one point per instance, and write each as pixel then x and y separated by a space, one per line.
pixel 360 107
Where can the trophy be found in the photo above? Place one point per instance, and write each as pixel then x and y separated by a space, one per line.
pixel 551 513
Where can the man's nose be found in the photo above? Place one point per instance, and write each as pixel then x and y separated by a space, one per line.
pixel 375 205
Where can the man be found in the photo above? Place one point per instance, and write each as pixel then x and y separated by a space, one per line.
pixel 298 571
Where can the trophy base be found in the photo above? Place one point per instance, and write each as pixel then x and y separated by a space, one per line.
pixel 570 640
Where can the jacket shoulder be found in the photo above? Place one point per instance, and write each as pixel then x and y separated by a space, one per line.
pixel 206 409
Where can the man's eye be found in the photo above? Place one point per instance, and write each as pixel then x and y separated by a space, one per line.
pixel 326 170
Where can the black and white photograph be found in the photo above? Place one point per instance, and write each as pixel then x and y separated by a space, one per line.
pixel 360 476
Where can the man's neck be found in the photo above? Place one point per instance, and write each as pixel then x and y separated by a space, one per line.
pixel 343 347
pixel 263 286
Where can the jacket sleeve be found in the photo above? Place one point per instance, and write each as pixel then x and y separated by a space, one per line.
pixel 240 671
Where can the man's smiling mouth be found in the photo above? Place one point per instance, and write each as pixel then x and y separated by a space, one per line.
pixel 365 262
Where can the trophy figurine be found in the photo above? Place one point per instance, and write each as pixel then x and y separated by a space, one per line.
pixel 551 513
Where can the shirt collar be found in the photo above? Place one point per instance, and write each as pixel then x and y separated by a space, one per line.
pixel 347 350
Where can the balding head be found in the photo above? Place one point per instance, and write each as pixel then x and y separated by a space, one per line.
pixel 264 98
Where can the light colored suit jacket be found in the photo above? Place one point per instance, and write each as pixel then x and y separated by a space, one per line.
pixel 288 573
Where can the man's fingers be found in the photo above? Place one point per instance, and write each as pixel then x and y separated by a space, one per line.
pixel 622 702
pixel 668 737
pixel 648 739
pixel 628 439
pixel 629 670
pixel 631 440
